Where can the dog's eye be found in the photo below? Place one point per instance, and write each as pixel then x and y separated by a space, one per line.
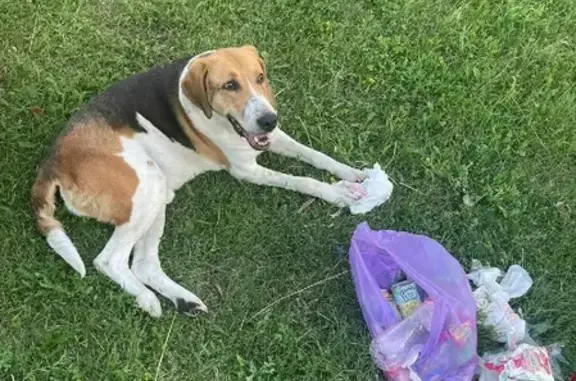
pixel 260 78
pixel 231 86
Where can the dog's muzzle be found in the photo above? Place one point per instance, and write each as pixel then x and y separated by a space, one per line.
pixel 260 142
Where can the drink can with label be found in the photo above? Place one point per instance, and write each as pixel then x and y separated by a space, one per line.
pixel 406 296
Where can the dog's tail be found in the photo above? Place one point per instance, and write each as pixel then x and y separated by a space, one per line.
pixel 43 197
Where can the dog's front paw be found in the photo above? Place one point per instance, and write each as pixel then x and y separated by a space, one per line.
pixel 351 174
pixel 344 193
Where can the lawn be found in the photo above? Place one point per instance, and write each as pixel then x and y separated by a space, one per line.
pixel 469 105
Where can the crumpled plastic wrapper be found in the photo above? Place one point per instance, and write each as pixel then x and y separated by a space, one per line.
pixel 492 299
pixel 373 191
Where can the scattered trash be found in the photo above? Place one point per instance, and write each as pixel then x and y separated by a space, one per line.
pixel 526 362
pixel 421 312
pixel 522 358
pixel 437 340
pixel 375 190
pixel 492 300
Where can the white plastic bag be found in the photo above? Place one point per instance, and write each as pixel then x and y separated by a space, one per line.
pixel 492 300
pixel 526 362
pixel 376 189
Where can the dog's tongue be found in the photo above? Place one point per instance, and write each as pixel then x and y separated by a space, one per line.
pixel 258 141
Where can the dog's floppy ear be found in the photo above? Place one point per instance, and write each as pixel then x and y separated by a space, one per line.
pixel 251 48
pixel 195 86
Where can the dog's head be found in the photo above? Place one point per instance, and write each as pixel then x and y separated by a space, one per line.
pixel 232 82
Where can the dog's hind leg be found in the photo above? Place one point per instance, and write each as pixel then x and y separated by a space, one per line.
pixel 146 267
pixel 113 262
pixel 148 201
pixel 104 173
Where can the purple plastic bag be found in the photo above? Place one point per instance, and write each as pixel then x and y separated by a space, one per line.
pixel 438 340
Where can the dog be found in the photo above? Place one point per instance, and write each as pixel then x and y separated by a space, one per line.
pixel 126 151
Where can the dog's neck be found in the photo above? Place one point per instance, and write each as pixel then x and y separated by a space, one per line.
pixel 217 128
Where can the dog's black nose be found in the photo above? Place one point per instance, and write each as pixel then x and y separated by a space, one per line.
pixel 267 122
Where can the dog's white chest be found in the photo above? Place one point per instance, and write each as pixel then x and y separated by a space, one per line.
pixel 179 164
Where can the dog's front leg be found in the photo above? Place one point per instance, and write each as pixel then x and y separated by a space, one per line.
pixel 284 145
pixel 338 195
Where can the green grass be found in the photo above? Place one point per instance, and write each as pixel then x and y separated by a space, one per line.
pixel 469 105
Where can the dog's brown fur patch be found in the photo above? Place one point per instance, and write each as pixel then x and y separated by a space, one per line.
pixel 202 145
pixel 93 179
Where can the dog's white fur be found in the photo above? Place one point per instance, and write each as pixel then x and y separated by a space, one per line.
pixel 162 166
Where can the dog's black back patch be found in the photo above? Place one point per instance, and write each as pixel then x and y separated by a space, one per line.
pixel 153 94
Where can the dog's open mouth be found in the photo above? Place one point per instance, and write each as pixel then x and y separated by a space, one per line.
pixel 259 142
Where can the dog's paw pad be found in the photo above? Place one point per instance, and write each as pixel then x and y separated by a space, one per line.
pixel 190 308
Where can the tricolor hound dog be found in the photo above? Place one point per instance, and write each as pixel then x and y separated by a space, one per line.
pixel 128 149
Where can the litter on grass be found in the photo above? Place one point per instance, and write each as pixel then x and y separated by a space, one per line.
pixel 373 191
pixel 421 313
pixel 526 362
pixel 492 299
pixel 427 330
pixel 521 358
